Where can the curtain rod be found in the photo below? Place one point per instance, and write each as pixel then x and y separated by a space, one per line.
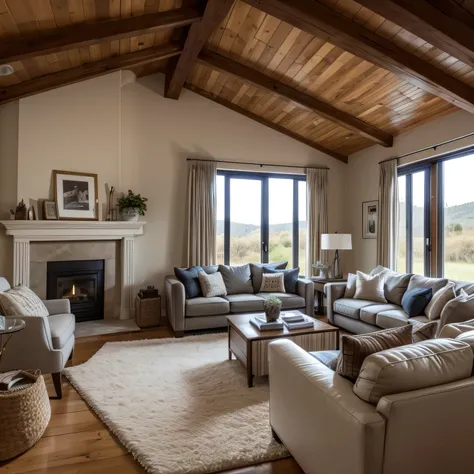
pixel 261 164
pixel 428 148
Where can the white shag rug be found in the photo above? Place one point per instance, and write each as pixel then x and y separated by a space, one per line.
pixel 178 405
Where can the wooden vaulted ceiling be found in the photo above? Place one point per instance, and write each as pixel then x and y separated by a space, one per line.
pixel 338 75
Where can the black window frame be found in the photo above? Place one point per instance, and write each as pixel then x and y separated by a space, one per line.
pixel 263 177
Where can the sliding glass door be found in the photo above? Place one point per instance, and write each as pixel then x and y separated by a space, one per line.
pixel 261 218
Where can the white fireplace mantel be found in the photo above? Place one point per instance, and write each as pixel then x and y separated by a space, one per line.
pixel 24 232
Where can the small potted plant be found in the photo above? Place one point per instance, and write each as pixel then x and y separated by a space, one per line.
pixel 272 307
pixel 323 269
pixel 131 206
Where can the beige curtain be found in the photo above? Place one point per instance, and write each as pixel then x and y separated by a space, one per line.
pixel 202 213
pixel 387 227
pixel 317 215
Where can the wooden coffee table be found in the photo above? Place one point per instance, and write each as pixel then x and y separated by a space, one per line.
pixel 250 346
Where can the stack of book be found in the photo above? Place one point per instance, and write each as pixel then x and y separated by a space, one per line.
pixel 262 325
pixel 296 321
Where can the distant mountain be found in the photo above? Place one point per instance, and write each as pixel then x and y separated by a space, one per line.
pixel 240 230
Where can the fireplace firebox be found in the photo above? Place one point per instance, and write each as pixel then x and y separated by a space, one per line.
pixel 82 283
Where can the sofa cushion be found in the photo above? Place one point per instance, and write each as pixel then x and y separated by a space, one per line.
pixel 237 279
pixel 458 309
pixel 467 286
pixel 419 281
pixel 256 270
pixel 368 314
pixel 350 307
pixel 190 280
pixel 212 284
pixel 290 277
pixel 350 286
pixel 468 338
pixel 21 301
pixel 395 283
pixel 413 367
pixel 206 306
pixel 245 303
pixel 439 301
pixel 393 318
pixel 288 300
pixel 62 328
pixel 356 348
pixel 415 301
pixel 328 358
pixel 370 287
pixel 423 331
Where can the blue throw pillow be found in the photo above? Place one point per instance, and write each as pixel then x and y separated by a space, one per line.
pixel 290 277
pixel 415 301
pixel 189 278
pixel 328 358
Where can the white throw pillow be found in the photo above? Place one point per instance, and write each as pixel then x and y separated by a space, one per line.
pixel 212 285
pixel 350 286
pixel 370 288
pixel 21 301
pixel 273 283
pixel 440 299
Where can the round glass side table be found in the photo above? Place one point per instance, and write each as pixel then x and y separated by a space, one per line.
pixel 11 326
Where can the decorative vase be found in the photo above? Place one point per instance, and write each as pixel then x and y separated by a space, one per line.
pixel 324 273
pixel 272 314
pixel 130 214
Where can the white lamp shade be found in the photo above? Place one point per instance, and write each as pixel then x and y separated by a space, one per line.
pixel 336 242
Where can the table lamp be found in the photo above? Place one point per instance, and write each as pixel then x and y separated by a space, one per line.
pixel 336 242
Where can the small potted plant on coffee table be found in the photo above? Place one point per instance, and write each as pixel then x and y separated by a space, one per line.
pixel 272 307
pixel 131 206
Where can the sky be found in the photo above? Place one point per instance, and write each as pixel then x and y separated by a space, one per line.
pixel 245 200
pixel 458 183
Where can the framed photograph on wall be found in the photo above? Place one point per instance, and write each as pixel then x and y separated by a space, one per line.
pixel 370 210
pixel 76 195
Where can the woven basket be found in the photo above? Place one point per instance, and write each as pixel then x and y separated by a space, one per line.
pixel 24 415
pixel 147 312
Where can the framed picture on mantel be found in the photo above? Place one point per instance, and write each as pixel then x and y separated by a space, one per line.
pixel 370 211
pixel 76 195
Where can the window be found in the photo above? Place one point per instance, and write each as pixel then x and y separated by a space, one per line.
pixel 261 218
pixel 436 227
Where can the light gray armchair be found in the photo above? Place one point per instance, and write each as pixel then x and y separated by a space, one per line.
pixel 46 343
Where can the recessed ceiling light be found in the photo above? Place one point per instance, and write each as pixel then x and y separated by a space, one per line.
pixel 6 70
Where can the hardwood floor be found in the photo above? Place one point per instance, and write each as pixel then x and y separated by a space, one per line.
pixel 77 442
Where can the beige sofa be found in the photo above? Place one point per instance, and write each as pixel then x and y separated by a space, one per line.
pixel 410 411
pixel 208 313
pixel 46 343
pixel 362 316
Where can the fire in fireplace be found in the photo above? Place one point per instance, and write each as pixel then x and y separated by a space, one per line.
pixel 82 282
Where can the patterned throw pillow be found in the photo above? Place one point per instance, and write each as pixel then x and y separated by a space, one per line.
pixel 370 288
pixel 439 301
pixel 273 283
pixel 21 301
pixel 356 348
pixel 423 331
pixel 212 285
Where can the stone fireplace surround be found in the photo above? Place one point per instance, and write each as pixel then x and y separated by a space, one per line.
pixel 37 242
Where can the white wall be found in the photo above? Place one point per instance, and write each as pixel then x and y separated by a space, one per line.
pixel 127 133
pixel 363 174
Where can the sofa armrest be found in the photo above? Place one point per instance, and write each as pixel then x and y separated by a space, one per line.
pixel 305 289
pixel 334 291
pixel 62 306
pixel 175 302
pixel 315 412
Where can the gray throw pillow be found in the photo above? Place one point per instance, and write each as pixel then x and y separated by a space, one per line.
pixel 350 290
pixel 395 286
pixel 256 270
pixel 237 279
pixel 419 281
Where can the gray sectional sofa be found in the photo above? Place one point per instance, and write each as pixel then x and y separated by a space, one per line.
pixel 362 316
pixel 188 314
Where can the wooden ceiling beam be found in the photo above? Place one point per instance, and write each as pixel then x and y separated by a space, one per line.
pixel 87 71
pixel 214 12
pixel 323 22
pixel 432 23
pixel 323 109
pixel 85 34
pixel 267 123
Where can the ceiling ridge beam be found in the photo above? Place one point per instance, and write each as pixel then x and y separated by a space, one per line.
pixel 87 71
pixel 215 11
pixel 267 123
pixel 323 109
pixel 323 22
pixel 433 24
pixel 84 34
